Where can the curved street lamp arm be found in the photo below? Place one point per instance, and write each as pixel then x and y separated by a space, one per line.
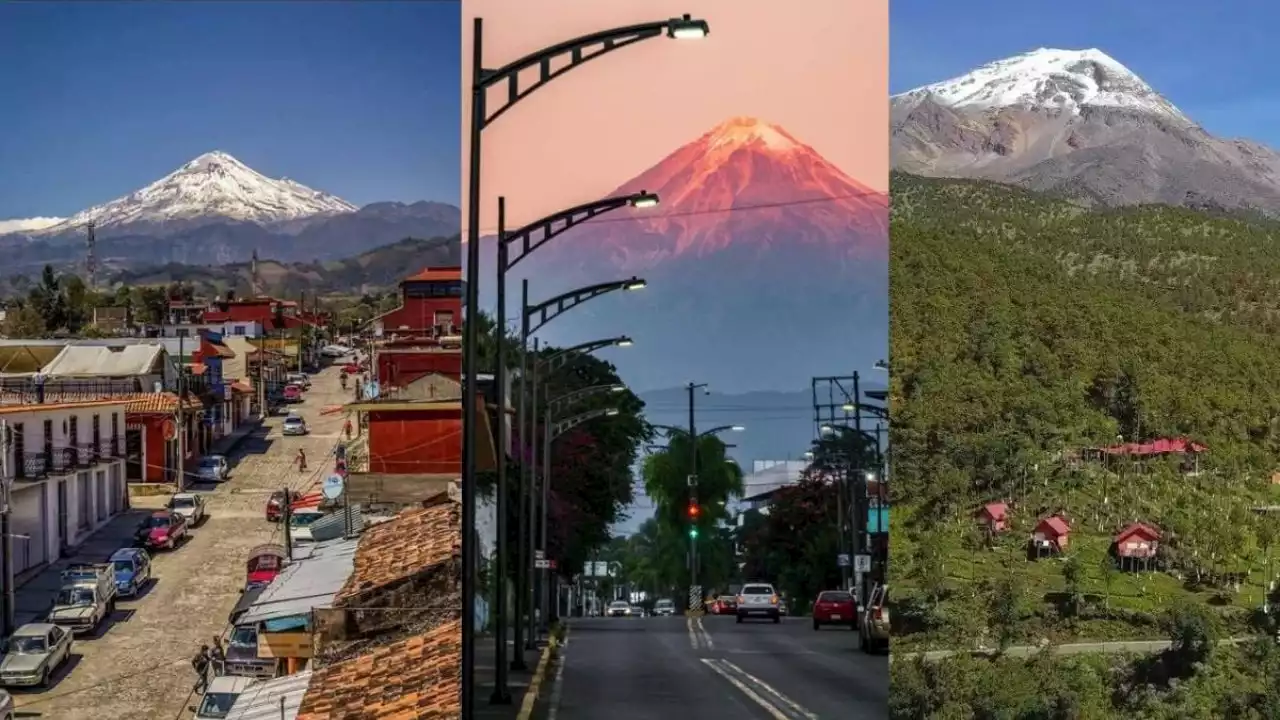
pixel 573 396
pixel 579 49
pixel 572 217
pixel 565 426
pixel 718 429
pixel 561 357
pixel 549 310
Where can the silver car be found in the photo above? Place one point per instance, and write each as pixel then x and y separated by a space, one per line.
pixel 758 600
pixel 189 506
pixel 294 425
pixel 213 468
pixel 664 608
pixel 34 652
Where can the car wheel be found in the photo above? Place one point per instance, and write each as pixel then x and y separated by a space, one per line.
pixel 815 625
pixel 44 678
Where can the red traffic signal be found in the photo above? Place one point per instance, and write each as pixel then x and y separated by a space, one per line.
pixel 694 510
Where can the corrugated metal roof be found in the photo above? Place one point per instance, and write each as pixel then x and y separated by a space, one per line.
pixel 104 361
pixel 309 582
pixel 261 701
pixel 333 526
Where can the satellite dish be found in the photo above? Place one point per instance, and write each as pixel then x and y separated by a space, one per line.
pixel 333 487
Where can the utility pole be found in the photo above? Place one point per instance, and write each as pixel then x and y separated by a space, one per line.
pixel 91 258
pixel 180 481
pixel 6 537
pixel 253 275
pixel 693 488
pixel 286 515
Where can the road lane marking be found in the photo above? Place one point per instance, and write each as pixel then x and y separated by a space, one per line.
pixel 693 633
pixel 557 686
pixel 704 635
pixel 768 707
pixel 785 701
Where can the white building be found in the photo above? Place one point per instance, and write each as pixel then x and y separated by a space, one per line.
pixel 238 328
pixel 64 465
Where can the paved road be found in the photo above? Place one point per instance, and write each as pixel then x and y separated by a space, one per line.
pixel 138 665
pixel 664 668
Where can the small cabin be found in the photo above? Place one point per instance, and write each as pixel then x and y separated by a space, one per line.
pixel 1051 535
pixel 1137 541
pixel 993 517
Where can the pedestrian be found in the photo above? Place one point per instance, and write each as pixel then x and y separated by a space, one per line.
pixel 346 428
pixel 200 663
pixel 218 656
pixel 302 460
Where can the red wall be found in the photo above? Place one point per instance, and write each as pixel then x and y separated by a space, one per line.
pixel 400 369
pixel 153 444
pixel 420 313
pixel 415 441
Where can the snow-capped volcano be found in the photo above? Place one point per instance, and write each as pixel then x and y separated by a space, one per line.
pixel 214 186
pixel 1051 79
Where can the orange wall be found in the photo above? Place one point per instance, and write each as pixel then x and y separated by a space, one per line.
pixel 417 441
pixel 153 442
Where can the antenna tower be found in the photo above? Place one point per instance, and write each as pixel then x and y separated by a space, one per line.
pixel 91 258
pixel 253 275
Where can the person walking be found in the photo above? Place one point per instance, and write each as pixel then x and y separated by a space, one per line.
pixel 346 428
pixel 302 460
pixel 218 657
pixel 200 663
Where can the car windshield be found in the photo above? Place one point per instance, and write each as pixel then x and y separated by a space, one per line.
pixel 28 645
pixel 184 502
pixel 217 705
pixel 158 521
pixel 619 605
pixel 244 637
pixel 75 597
pixel 835 597
pixel 304 519
pixel 757 590
pixel 662 603
pixel 122 566
pixel 293 421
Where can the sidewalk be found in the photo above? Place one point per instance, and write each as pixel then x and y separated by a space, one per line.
pixel 227 443
pixel 517 681
pixel 35 593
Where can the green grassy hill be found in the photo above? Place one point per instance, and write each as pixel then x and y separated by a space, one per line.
pixel 1024 329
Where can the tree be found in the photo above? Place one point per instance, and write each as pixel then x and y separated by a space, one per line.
pixel 796 544
pixel 24 321
pixel 1006 608
pixel 49 300
pixel 1073 577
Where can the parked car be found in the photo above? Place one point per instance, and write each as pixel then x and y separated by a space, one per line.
pixel 163 529
pixel 87 597
pixel 294 425
pixel 618 608
pixel 132 569
pixel 873 627
pixel 292 394
pixel 300 524
pixel 242 655
pixel 275 506
pixel 664 608
pixel 220 696
pixel 213 468
pixel 33 653
pixel 299 379
pixel 758 600
pixel 835 607
pixel 190 506
pixel 335 351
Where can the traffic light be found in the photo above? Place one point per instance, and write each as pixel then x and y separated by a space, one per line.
pixel 694 510
pixel 693 532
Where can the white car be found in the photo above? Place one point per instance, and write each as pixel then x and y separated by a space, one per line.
pixel 618 608
pixel 213 468
pixel 664 608
pixel 335 351
pixel 294 425
pixel 190 506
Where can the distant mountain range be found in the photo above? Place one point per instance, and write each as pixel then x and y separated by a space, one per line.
pixel 217 210
pixel 766 265
pixel 1081 125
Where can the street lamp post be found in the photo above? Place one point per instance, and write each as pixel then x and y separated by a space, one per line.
pixel 532 319
pixel 566 400
pixel 572 54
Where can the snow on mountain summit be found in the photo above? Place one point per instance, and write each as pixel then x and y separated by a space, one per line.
pixel 1052 79
pixel 213 185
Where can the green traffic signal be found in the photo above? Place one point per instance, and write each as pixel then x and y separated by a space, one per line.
pixel 693 532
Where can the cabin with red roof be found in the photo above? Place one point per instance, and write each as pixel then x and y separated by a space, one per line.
pixel 1051 535
pixel 1139 541
pixel 430 305
pixel 994 517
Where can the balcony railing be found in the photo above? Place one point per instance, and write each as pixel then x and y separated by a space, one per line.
pixel 35 465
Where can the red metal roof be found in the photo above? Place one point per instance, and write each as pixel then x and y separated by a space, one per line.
pixel 1055 524
pixel 1163 446
pixel 997 510
pixel 1150 531
pixel 436 274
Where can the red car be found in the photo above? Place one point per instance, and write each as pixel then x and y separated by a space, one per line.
pixel 835 607
pixel 292 393
pixel 725 605
pixel 163 529
pixel 351 369
pixel 275 506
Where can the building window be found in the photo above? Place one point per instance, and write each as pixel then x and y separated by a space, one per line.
pixel 444 318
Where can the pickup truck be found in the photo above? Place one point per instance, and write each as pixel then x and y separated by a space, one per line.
pixel 88 596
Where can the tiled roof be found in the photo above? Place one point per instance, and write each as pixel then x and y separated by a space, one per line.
pixel 436 274
pixel 33 407
pixel 416 540
pixel 415 679
pixel 138 403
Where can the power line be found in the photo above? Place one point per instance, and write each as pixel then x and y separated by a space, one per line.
pixel 715 211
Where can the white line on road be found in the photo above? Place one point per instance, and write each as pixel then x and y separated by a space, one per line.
pixel 783 699
pixel 556 688
pixel 706 636
pixel 773 711
pixel 693 633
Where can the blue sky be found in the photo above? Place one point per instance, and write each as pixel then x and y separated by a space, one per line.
pixel 1215 61
pixel 358 99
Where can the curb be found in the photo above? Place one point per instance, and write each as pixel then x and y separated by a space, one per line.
pixel 535 683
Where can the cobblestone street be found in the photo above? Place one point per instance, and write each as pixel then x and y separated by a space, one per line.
pixel 138 665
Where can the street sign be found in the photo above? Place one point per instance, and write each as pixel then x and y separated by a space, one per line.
pixel 692 480
pixel 862 563
pixel 541 564
pixel 333 486
pixel 842 560
pixel 539 555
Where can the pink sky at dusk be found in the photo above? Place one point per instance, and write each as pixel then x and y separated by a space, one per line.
pixel 822 75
